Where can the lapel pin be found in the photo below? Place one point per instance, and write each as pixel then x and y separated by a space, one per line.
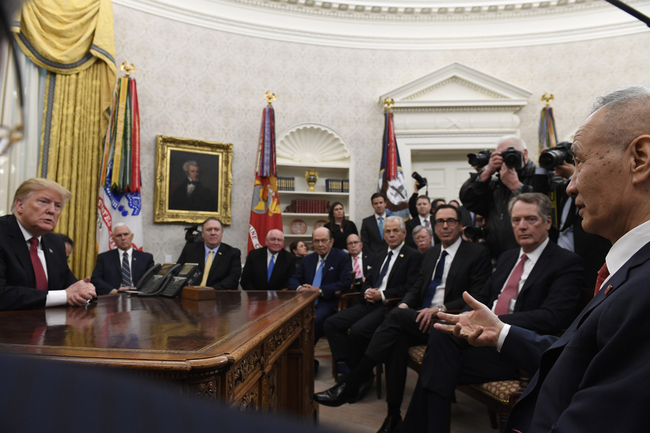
pixel 134 259
pixel 401 255
pixel 51 252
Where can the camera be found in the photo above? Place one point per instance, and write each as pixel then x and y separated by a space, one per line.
pixel 512 157
pixel 556 156
pixel 475 233
pixel 193 234
pixel 480 159
pixel 422 181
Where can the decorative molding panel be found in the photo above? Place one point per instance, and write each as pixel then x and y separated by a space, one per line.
pixel 312 144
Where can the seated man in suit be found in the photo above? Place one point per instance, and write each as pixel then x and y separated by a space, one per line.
pixel 423 205
pixel 423 238
pixel 536 286
pixel 34 271
pixel 448 269
pixel 372 227
pixel 595 377
pixel 393 272
pixel 122 267
pixel 327 272
pixel 219 262
pixel 360 260
pixel 270 267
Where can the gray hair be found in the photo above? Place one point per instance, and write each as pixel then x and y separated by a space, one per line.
pixel 186 166
pixel 544 205
pixel 627 114
pixel 419 228
pixel 520 143
pixel 121 225
pixel 402 226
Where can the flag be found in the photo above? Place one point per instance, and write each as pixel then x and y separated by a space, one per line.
pixel 391 177
pixel 119 197
pixel 265 206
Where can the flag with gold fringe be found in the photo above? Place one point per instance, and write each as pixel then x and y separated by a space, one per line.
pixel 265 206
pixel 119 199
pixel 391 181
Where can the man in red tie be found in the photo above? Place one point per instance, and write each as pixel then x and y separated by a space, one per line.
pixel 34 271
pixel 536 286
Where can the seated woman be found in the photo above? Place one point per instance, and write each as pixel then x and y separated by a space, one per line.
pixel 339 226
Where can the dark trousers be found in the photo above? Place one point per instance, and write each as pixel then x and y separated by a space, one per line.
pixel 323 311
pixel 362 321
pixel 450 361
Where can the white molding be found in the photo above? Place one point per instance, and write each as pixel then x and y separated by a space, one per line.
pixel 475 25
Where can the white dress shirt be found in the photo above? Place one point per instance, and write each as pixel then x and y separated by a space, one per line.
pixel 382 286
pixel 439 297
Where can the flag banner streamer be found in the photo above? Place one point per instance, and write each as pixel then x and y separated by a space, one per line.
pixel 391 177
pixel 119 199
pixel 265 207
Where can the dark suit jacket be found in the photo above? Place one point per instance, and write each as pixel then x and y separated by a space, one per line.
pixel 367 257
pixel 595 377
pixel 226 265
pixel 402 276
pixel 17 282
pixel 254 276
pixel 410 225
pixel 370 235
pixel 202 199
pixel 336 274
pixel 548 301
pixel 107 274
pixel 469 271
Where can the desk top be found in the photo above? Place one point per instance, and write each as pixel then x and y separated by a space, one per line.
pixel 151 332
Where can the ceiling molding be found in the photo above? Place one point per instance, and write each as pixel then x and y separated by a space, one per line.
pixel 416 25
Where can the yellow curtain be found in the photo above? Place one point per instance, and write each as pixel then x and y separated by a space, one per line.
pixel 74 42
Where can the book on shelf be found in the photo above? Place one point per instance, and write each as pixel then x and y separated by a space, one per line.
pixel 286 183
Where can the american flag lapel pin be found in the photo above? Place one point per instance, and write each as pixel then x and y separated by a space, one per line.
pixel 401 255
pixel 51 252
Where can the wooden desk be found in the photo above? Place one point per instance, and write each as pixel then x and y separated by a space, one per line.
pixel 251 349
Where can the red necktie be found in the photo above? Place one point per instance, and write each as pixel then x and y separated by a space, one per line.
pixel 511 289
pixel 39 272
pixel 602 276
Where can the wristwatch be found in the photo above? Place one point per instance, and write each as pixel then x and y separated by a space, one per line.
pixel 442 308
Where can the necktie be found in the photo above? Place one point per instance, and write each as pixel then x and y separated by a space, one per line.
pixel 426 223
pixel 206 269
pixel 384 269
pixel 39 272
pixel 318 278
pixel 512 286
pixel 381 227
pixel 126 271
pixel 357 268
pixel 435 282
pixel 603 273
pixel 270 269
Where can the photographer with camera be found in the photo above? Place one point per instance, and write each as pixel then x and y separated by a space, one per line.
pixel 488 194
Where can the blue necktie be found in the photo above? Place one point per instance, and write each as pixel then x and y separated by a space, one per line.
pixel 381 227
pixel 437 279
pixel 319 275
pixel 126 271
pixel 384 269
pixel 270 270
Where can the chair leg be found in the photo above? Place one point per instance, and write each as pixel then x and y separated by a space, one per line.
pixel 493 419
pixel 379 369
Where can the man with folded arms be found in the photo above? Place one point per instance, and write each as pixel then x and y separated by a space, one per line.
pixel 448 269
pixel 34 271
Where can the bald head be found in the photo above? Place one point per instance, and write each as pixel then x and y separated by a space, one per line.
pixel 322 240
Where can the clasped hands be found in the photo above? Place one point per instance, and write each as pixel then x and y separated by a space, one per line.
pixel 480 327
pixel 372 295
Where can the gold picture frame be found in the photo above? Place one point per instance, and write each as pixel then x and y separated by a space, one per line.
pixel 201 192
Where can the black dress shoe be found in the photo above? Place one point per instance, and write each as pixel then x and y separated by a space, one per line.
pixel 365 387
pixel 337 395
pixel 391 424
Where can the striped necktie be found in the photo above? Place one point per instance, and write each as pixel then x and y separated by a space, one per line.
pixel 126 271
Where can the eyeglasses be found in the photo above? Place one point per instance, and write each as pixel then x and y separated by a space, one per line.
pixel 320 241
pixel 451 222
pixel 353 243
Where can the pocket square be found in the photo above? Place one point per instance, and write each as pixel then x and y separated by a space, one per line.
pixel 331 268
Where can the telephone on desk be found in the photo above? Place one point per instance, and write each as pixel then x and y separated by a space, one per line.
pixel 167 279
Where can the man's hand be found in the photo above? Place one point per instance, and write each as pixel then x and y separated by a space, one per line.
pixel 565 170
pixel 510 178
pixel 80 292
pixel 308 288
pixel 480 327
pixel 495 163
pixel 425 317
pixel 372 296
pixel 403 306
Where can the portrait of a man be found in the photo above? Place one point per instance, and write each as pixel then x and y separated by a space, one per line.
pixel 192 186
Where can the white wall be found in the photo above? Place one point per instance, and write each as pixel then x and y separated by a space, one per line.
pixel 205 84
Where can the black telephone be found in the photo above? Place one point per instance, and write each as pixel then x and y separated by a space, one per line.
pixel 162 279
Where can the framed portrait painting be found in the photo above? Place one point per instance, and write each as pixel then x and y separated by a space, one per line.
pixel 193 180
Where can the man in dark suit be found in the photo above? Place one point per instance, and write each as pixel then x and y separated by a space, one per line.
pixel 327 272
pixel 360 260
pixel 594 378
pixel 34 271
pixel 372 227
pixel 219 262
pixel 122 267
pixel 423 205
pixel 393 272
pixel 191 194
pixel 423 238
pixel 536 286
pixel 270 267
pixel 466 267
